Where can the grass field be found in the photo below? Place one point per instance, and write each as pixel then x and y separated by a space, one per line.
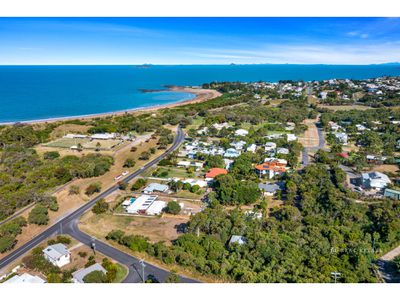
pixel 345 107
pixel 176 172
pixel 86 143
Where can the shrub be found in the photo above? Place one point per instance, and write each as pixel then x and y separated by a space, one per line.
pixel 91 261
pixel 129 163
pixel 82 254
pixel 60 239
pixel 74 190
pixel 138 184
pixel 145 155
pixel 122 185
pixel 115 235
pixel 195 188
pixel 92 188
pixel 51 155
pixel 7 243
pixel 173 207
pixel 100 207
pixel 39 215
pixel 95 277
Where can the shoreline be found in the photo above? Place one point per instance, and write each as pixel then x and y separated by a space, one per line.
pixel 201 95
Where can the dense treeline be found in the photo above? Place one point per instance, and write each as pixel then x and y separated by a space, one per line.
pixel 25 177
pixel 319 232
pixel 383 134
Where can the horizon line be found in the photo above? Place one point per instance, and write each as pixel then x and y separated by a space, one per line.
pixel 219 64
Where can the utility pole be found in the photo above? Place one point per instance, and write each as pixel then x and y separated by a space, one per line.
pixel 143 266
pixel 93 246
pixel 336 275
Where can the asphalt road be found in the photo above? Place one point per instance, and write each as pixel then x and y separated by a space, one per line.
pixel 68 224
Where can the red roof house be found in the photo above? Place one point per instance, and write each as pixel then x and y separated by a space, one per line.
pixel 215 172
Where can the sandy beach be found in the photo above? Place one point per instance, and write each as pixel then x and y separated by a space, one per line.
pixel 201 96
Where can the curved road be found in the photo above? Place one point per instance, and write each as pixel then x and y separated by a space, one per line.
pixel 68 225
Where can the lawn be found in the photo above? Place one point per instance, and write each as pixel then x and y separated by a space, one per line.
pixel 121 273
pixel 175 172
pixel 86 143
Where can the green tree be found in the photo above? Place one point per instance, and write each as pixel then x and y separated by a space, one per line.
pixel 100 207
pixel 95 277
pixel 173 207
pixel 39 215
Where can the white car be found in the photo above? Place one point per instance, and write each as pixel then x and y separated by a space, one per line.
pixel 125 173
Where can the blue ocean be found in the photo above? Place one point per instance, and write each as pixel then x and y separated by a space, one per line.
pixel 42 92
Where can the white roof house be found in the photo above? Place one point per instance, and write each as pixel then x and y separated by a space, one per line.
pixel 103 136
pixel 156 208
pixel 341 137
pixel 192 182
pixel 231 152
pixel 237 239
pixel 222 125
pixel 186 164
pixel 360 127
pixel 375 180
pixel 241 132
pixel 238 145
pixel 155 187
pixel 291 137
pixel 141 204
pixel 25 278
pixel 77 277
pixel 282 151
pixel 75 136
pixel 269 146
pixel 252 148
pixel 57 254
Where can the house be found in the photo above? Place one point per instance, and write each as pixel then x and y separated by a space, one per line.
pixel 156 208
pixel 231 153
pixel 323 95
pixel 334 126
pixel 344 155
pixel 241 132
pixel 270 170
pixel 103 136
pixel 284 151
pixel 57 254
pixel 290 126
pixel 238 145
pixel 270 189
pixel 75 136
pixel 291 137
pixel 270 147
pixel 278 161
pixel 372 159
pixel 274 136
pixel 228 163
pixel 237 239
pixel 341 137
pixel 222 125
pixel 187 164
pixel 393 194
pixel 77 277
pixel 25 278
pixel 155 187
pixel 374 180
pixel 141 204
pixel 251 148
pixel 360 127
pixel 192 182
pixel 214 172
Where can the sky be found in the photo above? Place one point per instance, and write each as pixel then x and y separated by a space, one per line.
pixel 172 41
